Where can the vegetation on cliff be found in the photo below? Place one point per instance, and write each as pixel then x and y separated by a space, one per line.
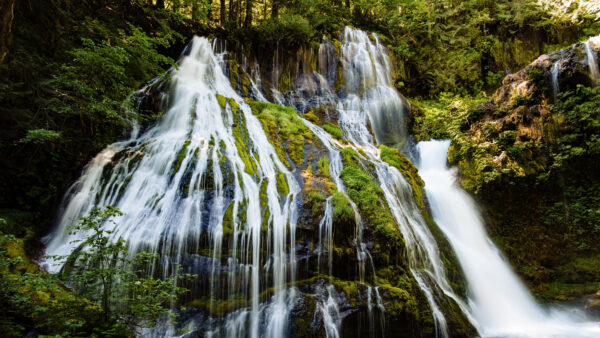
pixel 528 158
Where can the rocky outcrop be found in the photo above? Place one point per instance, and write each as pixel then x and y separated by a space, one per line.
pixel 528 156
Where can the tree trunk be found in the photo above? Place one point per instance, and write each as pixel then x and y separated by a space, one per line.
pixel 7 12
pixel 275 9
pixel 223 12
pixel 238 12
pixel 248 20
pixel 195 10
pixel 231 10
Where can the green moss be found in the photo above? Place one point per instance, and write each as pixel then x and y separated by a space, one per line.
pixel 245 84
pixel 233 74
pixel 235 107
pixel 180 157
pixel 349 288
pixel 398 160
pixel 334 130
pixel 323 167
pixel 241 135
pixel 228 221
pixel 561 291
pixel 285 81
pixel 315 200
pixel 337 46
pixel 222 100
pixel 219 307
pixel 342 210
pixel 368 196
pixel 282 185
pixel 348 155
pixel 285 129
pixel 302 322
pixel 365 193
pixel 311 116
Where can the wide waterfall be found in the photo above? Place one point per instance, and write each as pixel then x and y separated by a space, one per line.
pixel 205 188
pixel 185 183
pixel 499 303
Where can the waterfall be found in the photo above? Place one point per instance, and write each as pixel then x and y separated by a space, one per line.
pixel 368 96
pixel 368 89
pixel 204 188
pixel 592 60
pixel 499 303
pixel 554 72
pixel 204 173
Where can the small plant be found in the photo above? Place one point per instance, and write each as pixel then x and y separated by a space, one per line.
pixel 102 270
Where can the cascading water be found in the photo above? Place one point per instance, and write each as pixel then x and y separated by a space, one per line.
pixel 499 303
pixel 202 188
pixel 554 72
pixel 592 60
pixel 200 175
pixel 370 96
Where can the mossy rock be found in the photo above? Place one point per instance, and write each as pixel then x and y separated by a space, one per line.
pixel 410 173
pixel 286 131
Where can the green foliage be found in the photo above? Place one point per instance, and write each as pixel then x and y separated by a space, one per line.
pixel 334 130
pixel 537 75
pixel 342 211
pixel 541 188
pixel 288 30
pixel 445 117
pixel 315 200
pixel 70 68
pixel 103 73
pixel 32 299
pixel 102 271
pixel 579 133
pixel 466 46
pixel 40 136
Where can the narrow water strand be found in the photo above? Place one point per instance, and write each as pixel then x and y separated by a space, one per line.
pixel 554 72
pixel 592 59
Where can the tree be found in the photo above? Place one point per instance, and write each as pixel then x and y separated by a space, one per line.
pixel 102 270
pixel 7 10
pixel 222 12
pixel 275 8
pixel 248 20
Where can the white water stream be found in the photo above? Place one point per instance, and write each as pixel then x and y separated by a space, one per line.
pixel 554 73
pixel 592 58
pixel 499 303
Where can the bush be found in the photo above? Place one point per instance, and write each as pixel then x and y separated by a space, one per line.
pixel 103 271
